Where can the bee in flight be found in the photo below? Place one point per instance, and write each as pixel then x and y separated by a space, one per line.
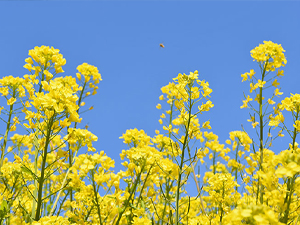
pixel 161 45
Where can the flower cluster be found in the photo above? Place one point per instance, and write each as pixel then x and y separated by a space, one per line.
pixel 87 72
pixel 270 54
pixel 46 58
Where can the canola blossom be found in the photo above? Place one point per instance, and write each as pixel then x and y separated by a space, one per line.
pixel 50 172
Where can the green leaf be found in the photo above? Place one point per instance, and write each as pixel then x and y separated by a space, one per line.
pixel 28 171
pixel 3 206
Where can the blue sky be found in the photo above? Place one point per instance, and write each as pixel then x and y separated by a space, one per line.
pixel 122 39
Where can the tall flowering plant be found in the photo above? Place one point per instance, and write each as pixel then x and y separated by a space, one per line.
pixel 48 107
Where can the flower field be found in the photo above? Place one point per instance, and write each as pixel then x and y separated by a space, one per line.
pixel 50 173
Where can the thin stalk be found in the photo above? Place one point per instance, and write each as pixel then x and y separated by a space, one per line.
pixel 70 150
pixel 181 163
pixel 197 185
pixel 167 183
pixel 214 162
pixel 223 196
pixel 140 196
pixel 41 179
pixel 61 189
pixel 130 196
pixel 7 130
pixel 236 171
pixel 290 184
pixel 261 126
pixel 199 191
pixel 36 151
pixel 96 196
pixel 167 196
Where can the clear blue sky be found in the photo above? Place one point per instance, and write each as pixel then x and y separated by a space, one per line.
pixel 122 39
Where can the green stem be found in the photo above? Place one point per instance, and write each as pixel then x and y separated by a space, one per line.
pixel 70 150
pixel 130 196
pixel 44 67
pixel 181 163
pixel 223 196
pixel 167 183
pixel 37 147
pixel 261 126
pixel 144 185
pixel 214 162
pixel 236 158
pixel 41 179
pixel 96 196
pixel 7 130
pixel 197 185
pixel 63 184
pixel 167 194
pixel 290 183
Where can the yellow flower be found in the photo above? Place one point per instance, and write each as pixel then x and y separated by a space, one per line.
pixel 253 87
pixel 271 102
pixel 245 102
pixel 206 125
pixel 11 101
pixel 29 60
pixel 297 125
pixel 169 128
pixel 276 92
pixel 251 74
pixel 65 123
pixel 257 98
pixel 261 83
pixel 280 134
pixel 254 124
pixel 48 75
pixel 205 107
pixel 193 75
pixel 175 130
pixel 291 103
pixel 62 153
pixel 280 73
pixel 252 119
pixel 141 221
pixel 244 76
pixel 275 83
pixel 28 66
